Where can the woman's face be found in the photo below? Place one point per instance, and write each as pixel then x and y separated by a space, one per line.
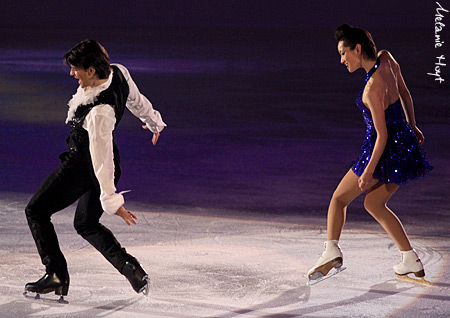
pixel 350 58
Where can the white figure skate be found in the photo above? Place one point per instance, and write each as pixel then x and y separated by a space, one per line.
pixel 331 259
pixel 410 264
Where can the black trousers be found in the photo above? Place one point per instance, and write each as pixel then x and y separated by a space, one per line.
pixel 74 179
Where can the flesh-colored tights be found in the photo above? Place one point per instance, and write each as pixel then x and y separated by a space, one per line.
pixel 375 203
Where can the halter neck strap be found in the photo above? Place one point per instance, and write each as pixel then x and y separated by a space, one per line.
pixel 373 69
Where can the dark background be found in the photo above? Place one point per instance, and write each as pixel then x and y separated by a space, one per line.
pixel 260 113
pixel 263 14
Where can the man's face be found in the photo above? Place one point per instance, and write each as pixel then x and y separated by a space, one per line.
pixel 85 77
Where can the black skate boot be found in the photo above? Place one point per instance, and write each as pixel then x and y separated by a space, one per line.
pixel 49 283
pixel 136 275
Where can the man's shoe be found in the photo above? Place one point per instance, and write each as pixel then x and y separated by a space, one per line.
pixel 49 283
pixel 136 275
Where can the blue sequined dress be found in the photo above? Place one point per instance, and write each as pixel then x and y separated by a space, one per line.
pixel 403 158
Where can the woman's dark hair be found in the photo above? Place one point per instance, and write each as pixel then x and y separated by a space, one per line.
pixel 353 35
pixel 89 53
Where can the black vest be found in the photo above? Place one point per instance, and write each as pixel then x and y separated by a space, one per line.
pixel 115 95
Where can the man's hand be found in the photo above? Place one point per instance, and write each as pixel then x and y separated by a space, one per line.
pixel 127 216
pixel 155 135
pixel 155 138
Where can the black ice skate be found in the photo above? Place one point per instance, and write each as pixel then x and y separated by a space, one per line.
pixel 137 276
pixel 47 284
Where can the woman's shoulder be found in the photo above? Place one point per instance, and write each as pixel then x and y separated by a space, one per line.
pixel 377 81
pixel 385 55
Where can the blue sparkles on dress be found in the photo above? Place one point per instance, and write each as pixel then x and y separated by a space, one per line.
pixel 403 158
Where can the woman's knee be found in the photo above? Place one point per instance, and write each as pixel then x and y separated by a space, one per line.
pixel 338 200
pixel 372 204
pixel 377 198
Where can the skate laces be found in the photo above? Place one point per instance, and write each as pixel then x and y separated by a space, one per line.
pixel 325 249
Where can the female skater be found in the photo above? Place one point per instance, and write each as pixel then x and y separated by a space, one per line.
pixel 90 169
pixel 390 154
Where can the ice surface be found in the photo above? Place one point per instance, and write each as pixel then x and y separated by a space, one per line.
pixel 205 265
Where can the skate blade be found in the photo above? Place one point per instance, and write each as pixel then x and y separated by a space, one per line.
pixel 37 296
pixel 320 277
pixel 420 280
pixel 146 289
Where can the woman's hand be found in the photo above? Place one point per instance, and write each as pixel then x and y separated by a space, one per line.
pixel 127 216
pixel 155 135
pixel 366 181
pixel 419 134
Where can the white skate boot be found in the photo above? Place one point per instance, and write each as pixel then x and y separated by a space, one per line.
pixel 410 264
pixel 331 258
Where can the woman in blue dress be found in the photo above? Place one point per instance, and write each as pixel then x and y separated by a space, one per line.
pixel 391 154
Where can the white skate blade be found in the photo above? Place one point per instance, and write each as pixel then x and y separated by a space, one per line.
pixel 321 278
pixel 146 289
pixel 420 280
pixel 37 296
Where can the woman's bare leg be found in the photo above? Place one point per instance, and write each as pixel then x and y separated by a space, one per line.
pixel 375 203
pixel 346 192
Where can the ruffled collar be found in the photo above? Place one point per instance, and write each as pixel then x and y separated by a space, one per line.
pixel 85 97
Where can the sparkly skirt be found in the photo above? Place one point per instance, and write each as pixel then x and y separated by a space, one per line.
pixel 403 158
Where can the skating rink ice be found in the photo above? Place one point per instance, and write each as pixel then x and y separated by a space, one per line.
pixel 203 264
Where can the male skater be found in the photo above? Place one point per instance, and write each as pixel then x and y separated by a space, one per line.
pixel 90 169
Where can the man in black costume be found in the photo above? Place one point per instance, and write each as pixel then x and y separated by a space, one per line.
pixel 90 170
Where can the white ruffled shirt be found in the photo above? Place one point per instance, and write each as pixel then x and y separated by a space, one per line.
pixel 100 122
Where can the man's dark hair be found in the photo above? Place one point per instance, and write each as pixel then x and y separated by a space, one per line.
pixel 89 53
pixel 353 35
